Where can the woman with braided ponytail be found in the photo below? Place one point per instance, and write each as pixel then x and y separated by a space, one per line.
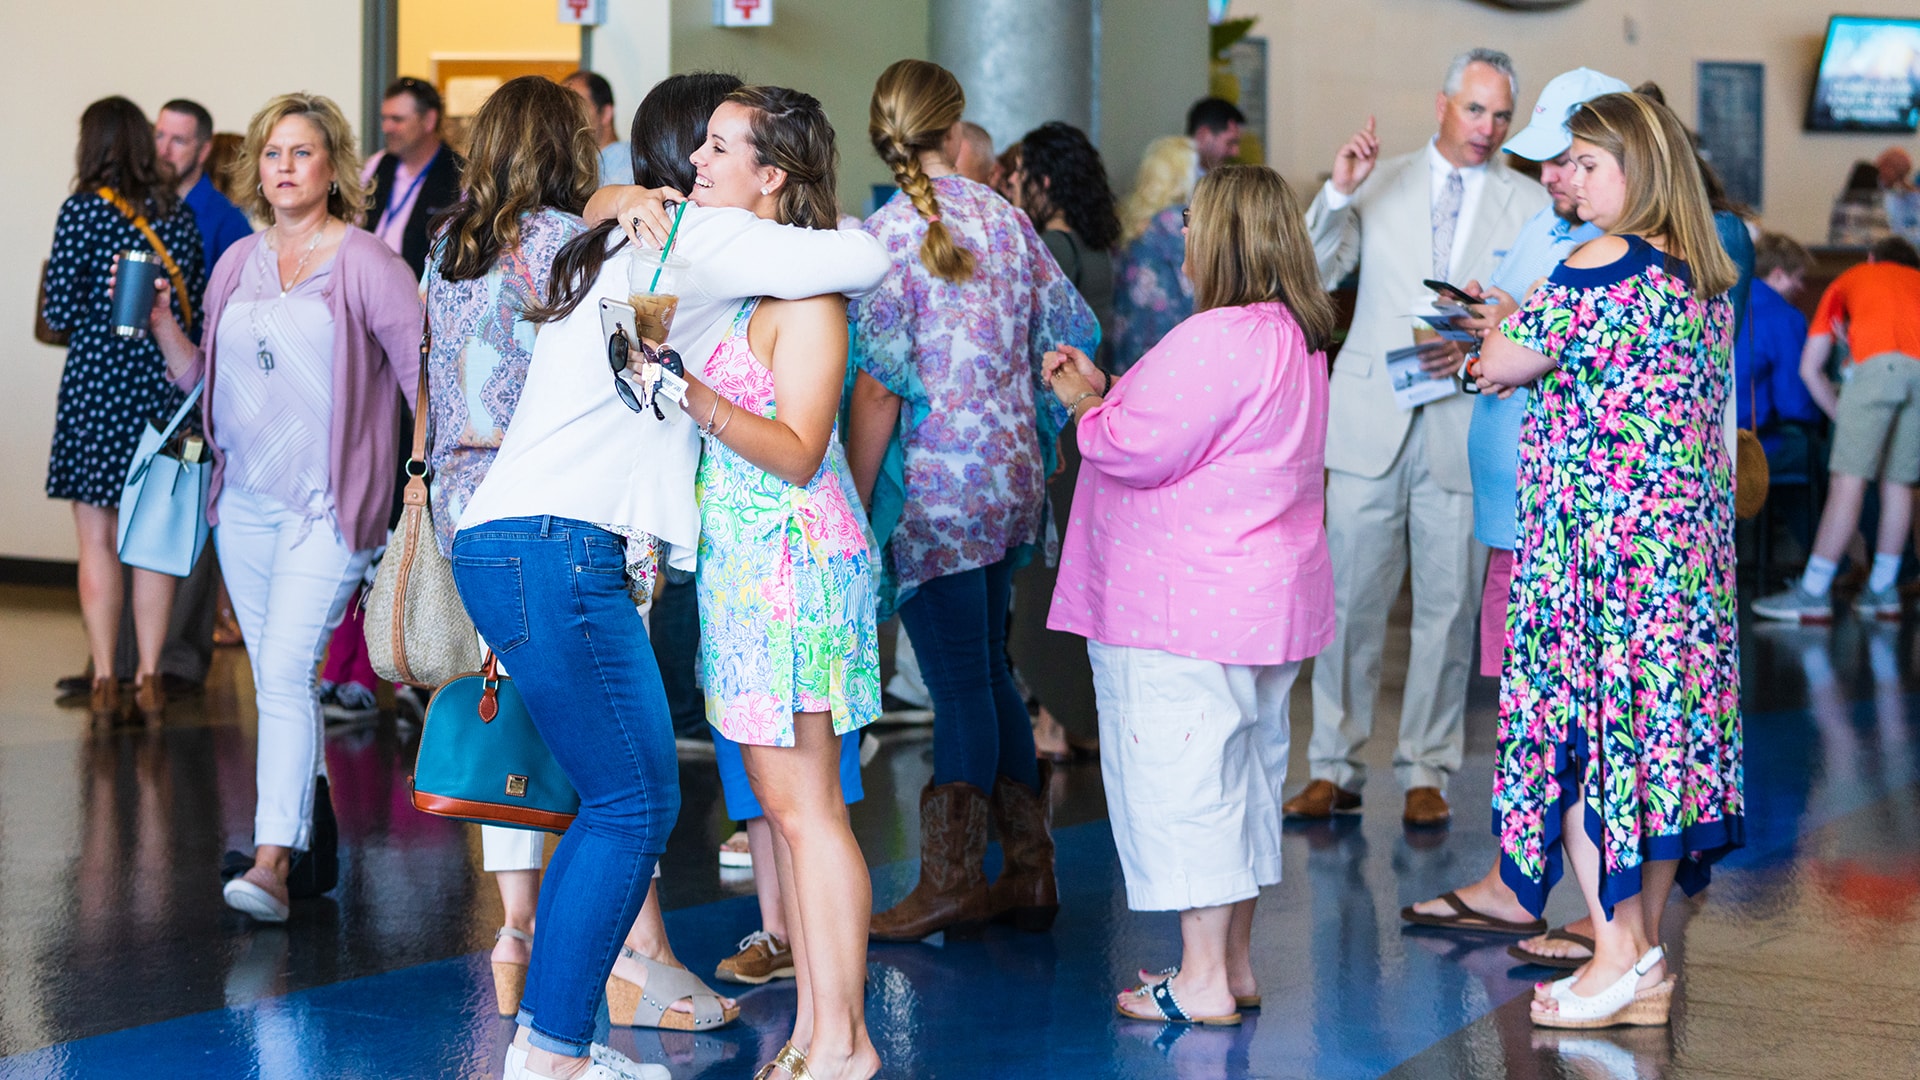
pixel 950 349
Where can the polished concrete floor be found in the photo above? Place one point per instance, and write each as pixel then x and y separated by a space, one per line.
pixel 117 958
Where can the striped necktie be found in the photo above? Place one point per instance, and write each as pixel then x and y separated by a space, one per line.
pixel 1446 214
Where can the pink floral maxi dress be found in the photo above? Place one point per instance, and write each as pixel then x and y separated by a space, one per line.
pixel 1621 685
pixel 785 583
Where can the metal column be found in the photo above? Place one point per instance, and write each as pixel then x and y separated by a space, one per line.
pixel 1023 62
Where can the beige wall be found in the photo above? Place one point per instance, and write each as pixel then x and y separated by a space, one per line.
pixel 632 51
pixel 1154 66
pixel 517 29
pixel 60 57
pixel 1152 69
pixel 1335 61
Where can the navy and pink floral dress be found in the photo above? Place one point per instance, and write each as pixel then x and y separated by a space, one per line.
pixel 1622 677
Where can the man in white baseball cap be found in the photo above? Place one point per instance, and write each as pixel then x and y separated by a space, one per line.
pixel 1493 455
pixel 1545 137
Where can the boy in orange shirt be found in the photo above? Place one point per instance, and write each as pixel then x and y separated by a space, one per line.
pixel 1876 434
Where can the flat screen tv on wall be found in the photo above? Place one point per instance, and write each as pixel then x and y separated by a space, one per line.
pixel 1869 77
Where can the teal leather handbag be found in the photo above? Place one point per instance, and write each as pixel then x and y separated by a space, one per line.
pixel 481 759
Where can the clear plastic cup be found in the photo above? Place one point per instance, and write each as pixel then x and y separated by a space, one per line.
pixel 653 288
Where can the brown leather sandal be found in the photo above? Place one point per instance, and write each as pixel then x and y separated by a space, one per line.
pixel 1466 918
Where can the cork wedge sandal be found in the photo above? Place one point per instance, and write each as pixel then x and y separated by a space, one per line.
pixel 510 979
pixel 633 1006
pixel 1617 1005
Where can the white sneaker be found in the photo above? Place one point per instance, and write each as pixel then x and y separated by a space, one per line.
pixel 619 1066
pixel 351 704
pixel 608 1064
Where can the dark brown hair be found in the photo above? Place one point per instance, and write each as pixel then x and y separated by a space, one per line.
pixel 669 125
pixel 1247 244
pixel 1895 249
pixel 791 133
pixel 1776 252
pixel 531 147
pixel 1062 173
pixel 116 151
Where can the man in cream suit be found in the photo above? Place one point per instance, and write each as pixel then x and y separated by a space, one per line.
pixel 1397 483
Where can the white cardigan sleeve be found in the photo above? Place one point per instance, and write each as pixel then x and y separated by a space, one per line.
pixel 734 254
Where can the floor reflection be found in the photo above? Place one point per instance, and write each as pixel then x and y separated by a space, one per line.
pixel 117 958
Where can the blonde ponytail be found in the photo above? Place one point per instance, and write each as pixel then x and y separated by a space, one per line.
pixel 914 104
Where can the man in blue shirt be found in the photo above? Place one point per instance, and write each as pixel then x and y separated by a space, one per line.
pixel 1493 440
pixel 1767 356
pixel 183 137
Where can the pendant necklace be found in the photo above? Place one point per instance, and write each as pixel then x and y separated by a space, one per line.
pixel 265 355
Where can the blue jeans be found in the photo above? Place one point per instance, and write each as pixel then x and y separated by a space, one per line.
pixel 958 624
pixel 550 596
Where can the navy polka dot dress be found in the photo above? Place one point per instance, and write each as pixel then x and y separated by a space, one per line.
pixel 111 385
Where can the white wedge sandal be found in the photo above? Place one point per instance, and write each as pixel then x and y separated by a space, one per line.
pixel 1619 1004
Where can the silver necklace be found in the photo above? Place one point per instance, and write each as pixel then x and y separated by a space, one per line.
pixel 264 354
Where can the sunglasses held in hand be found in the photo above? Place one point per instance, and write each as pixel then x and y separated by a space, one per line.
pixel 620 352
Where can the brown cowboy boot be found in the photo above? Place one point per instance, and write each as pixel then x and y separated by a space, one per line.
pixel 1026 893
pixel 952 893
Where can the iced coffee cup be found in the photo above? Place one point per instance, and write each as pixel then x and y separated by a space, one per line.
pixel 653 288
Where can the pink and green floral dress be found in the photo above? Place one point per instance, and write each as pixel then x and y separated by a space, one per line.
pixel 1621 685
pixel 786 579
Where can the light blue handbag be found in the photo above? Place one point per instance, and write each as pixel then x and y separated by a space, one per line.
pixel 163 505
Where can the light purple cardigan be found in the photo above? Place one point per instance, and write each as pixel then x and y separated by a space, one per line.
pixel 375 303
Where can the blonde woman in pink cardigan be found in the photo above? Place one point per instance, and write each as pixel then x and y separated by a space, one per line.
pixel 1196 568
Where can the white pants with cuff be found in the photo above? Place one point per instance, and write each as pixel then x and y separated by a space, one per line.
pixel 1193 754
pixel 289 593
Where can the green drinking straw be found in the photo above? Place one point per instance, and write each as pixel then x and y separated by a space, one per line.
pixel 668 250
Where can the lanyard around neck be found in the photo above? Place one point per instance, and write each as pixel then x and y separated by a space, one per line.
pixel 393 207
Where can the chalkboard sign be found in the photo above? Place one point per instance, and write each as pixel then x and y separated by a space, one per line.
pixel 1733 126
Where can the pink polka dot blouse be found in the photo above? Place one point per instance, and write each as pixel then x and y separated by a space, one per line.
pixel 1197 521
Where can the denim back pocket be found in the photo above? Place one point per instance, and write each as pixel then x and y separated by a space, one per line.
pixel 495 595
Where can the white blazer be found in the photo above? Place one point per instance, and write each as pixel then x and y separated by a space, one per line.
pixel 1387 229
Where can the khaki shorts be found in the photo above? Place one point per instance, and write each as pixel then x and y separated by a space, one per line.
pixel 1876 435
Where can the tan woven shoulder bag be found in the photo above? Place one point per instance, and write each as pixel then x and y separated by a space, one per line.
pixel 418 631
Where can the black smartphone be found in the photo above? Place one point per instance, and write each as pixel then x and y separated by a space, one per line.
pixel 1452 292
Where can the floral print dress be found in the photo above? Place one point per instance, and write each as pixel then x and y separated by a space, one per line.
pixel 976 420
pixel 1621 682
pixel 1153 294
pixel 785 583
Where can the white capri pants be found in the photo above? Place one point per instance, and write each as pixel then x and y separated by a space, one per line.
pixel 288 592
pixel 1193 754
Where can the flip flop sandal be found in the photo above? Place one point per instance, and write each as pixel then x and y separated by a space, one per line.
pixel 632 1006
pixel 1558 963
pixel 1162 996
pixel 1467 919
pixel 1148 978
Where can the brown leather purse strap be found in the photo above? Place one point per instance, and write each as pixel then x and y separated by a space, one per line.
pixel 160 249
pixel 416 519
